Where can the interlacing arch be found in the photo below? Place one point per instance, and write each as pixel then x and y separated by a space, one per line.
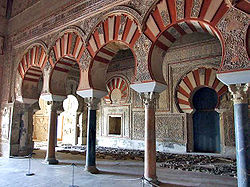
pixel 168 20
pixel 116 32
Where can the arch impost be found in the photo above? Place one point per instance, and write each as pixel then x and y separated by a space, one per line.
pixel 88 93
pixel 51 97
pixel 26 100
pixel 145 87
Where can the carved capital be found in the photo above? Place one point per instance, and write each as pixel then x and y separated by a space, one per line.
pixel 149 99
pixel 92 102
pixel 239 93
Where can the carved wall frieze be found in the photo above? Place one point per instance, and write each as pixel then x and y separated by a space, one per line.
pixel 63 19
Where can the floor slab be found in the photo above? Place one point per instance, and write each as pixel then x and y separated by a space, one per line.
pixel 125 173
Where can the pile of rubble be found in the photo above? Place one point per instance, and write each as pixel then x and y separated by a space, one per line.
pixel 186 162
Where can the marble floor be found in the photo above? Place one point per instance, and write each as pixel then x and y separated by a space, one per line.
pixel 112 173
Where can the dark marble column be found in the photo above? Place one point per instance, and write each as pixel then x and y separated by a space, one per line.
pixel 91 136
pixel 150 139
pixel 50 155
pixel 242 133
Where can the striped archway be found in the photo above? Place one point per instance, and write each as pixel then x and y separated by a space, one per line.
pixel 168 20
pixel 30 69
pixel 66 52
pixel 116 32
pixel 118 90
pixel 200 77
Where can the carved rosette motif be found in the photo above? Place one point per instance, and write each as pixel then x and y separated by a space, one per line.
pixel 239 93
pixel 141 49
pixel 233 28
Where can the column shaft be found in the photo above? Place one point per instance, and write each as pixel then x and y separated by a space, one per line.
pixel 242 138
pixel 91 139
pixel 150 144
pixel 242 132
pixel 91 136
pixel 50 156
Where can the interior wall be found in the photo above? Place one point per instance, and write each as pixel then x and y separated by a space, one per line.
pixel 172 133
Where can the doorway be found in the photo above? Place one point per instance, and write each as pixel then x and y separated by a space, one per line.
pixel 206 121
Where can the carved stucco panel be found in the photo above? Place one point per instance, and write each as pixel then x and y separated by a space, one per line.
pixel 169 127
pixel 141 50
pixel 233 28
pixel 142 6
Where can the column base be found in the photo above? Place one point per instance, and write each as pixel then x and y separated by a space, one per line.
pixel 51 161
pixel 150 181
pixel 91 169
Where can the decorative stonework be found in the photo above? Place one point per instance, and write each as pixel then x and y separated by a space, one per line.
pixel 149 99
pixel 239 93
pixel 170 128
pixel 233 28
pixel 196 8
pixel 118 91
pixel 141 6
pixel 197 78
pixel 61 18
pixel 141 49
pixel 133 12
pixel 33 60
pixel 228 126
pixel 85 60
pixel 180 9
pixel 138 125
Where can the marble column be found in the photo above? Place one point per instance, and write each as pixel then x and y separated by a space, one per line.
pixel 242 133
pixel 150 139
pixel 91 135
pixel 50 155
